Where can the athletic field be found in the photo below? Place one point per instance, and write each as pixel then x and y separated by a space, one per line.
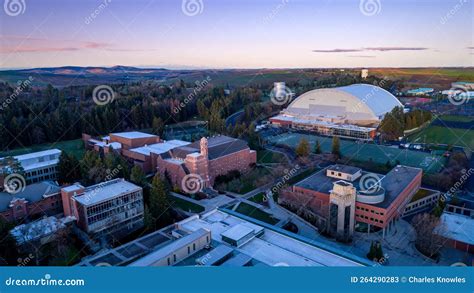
pixel 366 152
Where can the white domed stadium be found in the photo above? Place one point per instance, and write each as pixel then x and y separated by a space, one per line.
pixel 352 111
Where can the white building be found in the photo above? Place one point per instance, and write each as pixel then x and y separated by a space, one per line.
pixel 40 166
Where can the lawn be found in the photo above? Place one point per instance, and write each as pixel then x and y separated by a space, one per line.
pixel 421 193
pixel 74 147
pixel 368 152
pixel 255 213
pixel 445 135
pixel 186 205
pixel 266 156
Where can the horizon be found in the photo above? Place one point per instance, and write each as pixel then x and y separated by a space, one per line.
pixel 208 34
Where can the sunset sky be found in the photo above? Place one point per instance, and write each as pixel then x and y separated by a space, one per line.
pixel 237 34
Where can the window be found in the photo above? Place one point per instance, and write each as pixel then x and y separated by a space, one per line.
pixel 174 257
pixel 189 250
pixel 194 246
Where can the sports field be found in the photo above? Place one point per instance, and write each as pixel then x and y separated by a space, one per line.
pixel 73 147
pixel 451 130
pixel 368 152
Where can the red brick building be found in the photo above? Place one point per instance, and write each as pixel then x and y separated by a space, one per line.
pixel 36 200
pixel 207 158
pixel 379 206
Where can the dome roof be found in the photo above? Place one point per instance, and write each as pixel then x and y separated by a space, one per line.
pixel 353 102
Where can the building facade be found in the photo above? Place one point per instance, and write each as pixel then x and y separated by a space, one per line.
pixel 380 200
pixel 36 200
pixel 115 206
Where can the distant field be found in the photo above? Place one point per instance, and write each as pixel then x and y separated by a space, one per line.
pixel 368 152
pixel 74 147
pixel 448 129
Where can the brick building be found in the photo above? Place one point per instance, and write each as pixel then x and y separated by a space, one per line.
pixel 115 206
pixel 379 199
pixel 207 158
pixel 36 200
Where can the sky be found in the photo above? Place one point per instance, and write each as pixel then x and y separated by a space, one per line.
pixel 237 34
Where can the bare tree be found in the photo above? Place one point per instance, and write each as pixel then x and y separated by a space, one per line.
pixel 428 229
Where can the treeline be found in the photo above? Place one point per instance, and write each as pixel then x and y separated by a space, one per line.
pixel 396 122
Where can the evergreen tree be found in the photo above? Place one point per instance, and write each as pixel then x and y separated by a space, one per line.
pixel 317 148
pixel 137 176
pixel 158 126
pixel 158 197
pixel 336 147
pixel 68 168
pixel 303 148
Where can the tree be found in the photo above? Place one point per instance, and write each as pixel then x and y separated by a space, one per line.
pixel 149 220
pixel 428 229
pixel 158 126
pixel 68 168
pixel 8 246
pixel 317 148
pixel 158 197
pixel 137 176
pixel 303 148
pixel 336 147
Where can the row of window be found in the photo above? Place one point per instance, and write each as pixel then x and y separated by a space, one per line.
pixel 372 219
pixel 370 211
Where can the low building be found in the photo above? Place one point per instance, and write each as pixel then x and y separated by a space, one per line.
pixel 463 85
pixel 422 91
pixel 39 166
pixel 37 199
pixel 112 207
pixel 41 231
pixel 378 200
pixel 458 231
pixel 423 201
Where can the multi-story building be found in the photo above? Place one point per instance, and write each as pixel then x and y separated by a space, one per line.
pixel 207 158
pixel 114 206
pixel 39 166
pixel 37 199
pixel 378 200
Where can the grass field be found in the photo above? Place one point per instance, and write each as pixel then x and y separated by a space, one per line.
pixel 73 147
pixel 266 156
pixel 255 213
pixel 368 152
pixel 186 205
pixel 448 129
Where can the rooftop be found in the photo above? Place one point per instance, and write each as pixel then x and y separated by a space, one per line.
pixel 38 229
pixel 32 193
pixel 457 227
pixel 344 169
pixel 160 148
pixel 271 248
pixel 394 182
pixel 133 134
pixel 106 190
pixel 38 154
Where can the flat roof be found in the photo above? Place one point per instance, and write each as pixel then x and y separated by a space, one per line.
pixel 153 257
pixel 344 169
pixel 160 148
pixel 271 248
pixel 133 134
pixel 238 260
pixel 238 232
pixel 215 255
pixel 105 190
pixel 37 154
pixel 394 182
pixel 457 227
